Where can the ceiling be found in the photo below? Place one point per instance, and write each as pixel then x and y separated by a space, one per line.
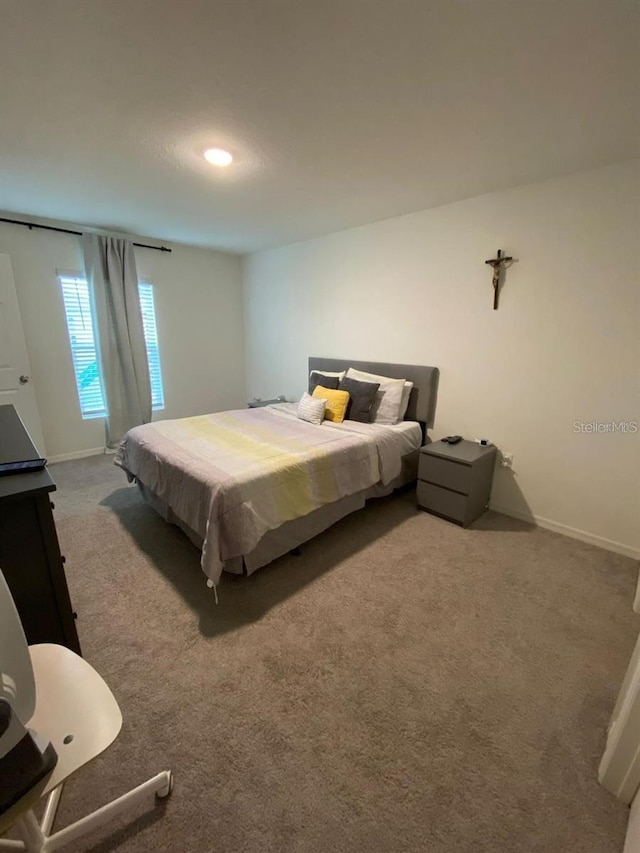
pixel 338 112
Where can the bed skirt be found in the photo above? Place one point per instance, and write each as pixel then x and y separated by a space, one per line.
pixel 293 533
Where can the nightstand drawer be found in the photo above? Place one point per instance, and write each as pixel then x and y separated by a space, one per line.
pixel 442 501
pixel 444 472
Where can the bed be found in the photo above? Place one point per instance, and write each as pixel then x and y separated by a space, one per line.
pixel 250 485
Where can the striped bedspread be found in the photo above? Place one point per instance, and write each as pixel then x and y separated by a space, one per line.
pixel 233 476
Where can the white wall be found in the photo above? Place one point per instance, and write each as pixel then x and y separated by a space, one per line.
pixel 564 345
pixel 198 300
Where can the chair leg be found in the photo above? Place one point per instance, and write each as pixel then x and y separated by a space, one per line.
pixel 32 836
pixel 51 809
pixel 10 844
pixel 161 785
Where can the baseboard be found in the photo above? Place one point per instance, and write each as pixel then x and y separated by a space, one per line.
pixel 573 532
pixel 78 454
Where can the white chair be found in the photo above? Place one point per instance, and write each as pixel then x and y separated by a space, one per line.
pixel 60 697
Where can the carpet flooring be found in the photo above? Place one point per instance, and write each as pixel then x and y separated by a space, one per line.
pixel 403 685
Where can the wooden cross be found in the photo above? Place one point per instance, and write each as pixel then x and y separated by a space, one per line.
pixel 497 263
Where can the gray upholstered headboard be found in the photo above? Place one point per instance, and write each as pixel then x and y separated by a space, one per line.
pixel 424 395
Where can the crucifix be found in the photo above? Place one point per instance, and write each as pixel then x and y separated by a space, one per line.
pixel 497 263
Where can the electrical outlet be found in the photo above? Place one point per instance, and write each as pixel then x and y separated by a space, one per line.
pixel 507 460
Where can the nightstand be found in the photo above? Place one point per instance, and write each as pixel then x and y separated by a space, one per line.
pixel 257 404
pixel 454 480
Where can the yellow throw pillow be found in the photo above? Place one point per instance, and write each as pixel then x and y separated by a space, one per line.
pixel 337 402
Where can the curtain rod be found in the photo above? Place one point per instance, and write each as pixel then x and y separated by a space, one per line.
pixel 31 225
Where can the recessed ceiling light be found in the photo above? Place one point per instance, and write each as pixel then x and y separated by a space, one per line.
pixel 218 157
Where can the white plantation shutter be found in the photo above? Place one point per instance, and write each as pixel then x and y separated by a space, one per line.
pixel 151 339
pixel 77 306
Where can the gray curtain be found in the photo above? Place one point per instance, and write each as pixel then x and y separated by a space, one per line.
pixel 110 266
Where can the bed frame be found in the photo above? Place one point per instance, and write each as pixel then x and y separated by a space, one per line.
pixel 292 534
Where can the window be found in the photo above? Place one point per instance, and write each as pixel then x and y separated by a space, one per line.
pixel 77 306
pixel 75 292
pixel 151 338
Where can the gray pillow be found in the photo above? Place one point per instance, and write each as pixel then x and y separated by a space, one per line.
pixel 362 396
pixel 331 382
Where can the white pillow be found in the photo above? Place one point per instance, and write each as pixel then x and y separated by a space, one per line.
pixel 388 402
pixel 406 393
pixel 340 375
pixel 311 409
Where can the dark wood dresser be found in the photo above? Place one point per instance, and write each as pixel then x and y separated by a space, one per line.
pixel 30 556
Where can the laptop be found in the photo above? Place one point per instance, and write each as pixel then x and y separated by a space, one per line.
pixel 18 454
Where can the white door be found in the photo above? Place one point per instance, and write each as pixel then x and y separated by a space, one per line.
pixel 620 766
pixel 16 384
